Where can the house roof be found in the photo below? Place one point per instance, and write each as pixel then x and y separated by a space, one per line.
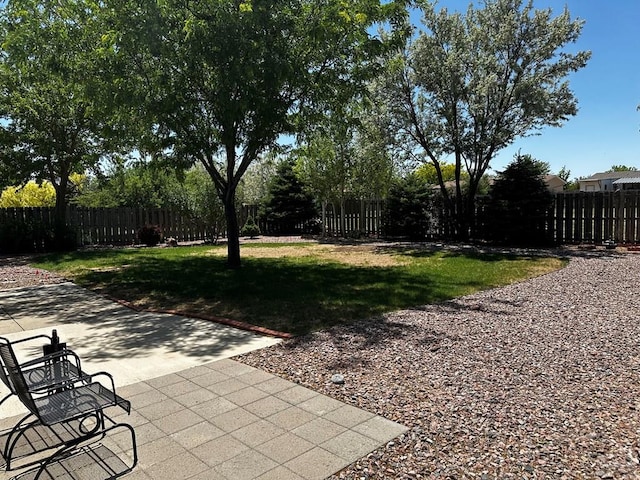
pixel 627 180
pixel 613 175
pixel 554 178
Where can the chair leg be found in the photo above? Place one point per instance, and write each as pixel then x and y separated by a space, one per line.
pixel 67 450
pixel 11 441
pixel 6 398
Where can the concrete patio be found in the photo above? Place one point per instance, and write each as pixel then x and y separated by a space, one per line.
pixel 197 414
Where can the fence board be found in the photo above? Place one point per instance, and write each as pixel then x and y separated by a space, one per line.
pixel 112 226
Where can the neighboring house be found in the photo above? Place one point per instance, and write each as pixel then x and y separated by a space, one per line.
pixel 554 183
pixel 611 182
pixel 630 183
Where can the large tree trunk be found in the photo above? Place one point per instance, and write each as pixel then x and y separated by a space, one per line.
pixel 60 229
pixel 233 231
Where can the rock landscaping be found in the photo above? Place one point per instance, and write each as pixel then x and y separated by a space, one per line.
pixel 15 273
pixel 538 379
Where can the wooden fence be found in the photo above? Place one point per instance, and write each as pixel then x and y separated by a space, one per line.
pixel 115 226
pixel 576 217
pixel 593 217
pixel 354 217
pixel 586 217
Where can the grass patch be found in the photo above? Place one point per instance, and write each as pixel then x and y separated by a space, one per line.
pixel 295 288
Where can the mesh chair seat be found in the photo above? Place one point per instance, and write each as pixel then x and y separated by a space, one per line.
pixel 77 401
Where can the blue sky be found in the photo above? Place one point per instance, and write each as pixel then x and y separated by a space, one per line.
pixel 606 130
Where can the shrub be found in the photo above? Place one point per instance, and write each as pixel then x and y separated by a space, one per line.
pixel 150 235
pixel 407 209
pixel 16 237
pixel 519 203
pixel 250 229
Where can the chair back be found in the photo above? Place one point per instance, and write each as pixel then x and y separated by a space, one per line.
pixel 3 371
pixel 14 376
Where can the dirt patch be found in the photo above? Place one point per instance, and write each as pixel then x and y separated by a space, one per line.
pixel 108 269
pixel 357 255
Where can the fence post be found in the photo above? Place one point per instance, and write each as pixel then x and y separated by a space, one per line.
pixel 619 218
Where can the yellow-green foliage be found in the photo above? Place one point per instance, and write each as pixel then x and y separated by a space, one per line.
pixel 427 173
pixel 31 194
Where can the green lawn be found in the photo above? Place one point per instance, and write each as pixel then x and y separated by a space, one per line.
pixel 295 288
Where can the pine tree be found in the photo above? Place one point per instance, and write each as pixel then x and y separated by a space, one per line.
pixel 289 206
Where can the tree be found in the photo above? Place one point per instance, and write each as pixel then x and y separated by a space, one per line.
pixel 428 174
pixel 346 155
pixel 254 187
pixel 519 203
pixel 289 206
pixel 222 80
pixel 470 84
pixel 51 121
pixel 31 194
pixel 319 170
pixel 621 168
pixel 564 173
pixel 407 209
pixel 136 184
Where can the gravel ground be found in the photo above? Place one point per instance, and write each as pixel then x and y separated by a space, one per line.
pixel 535 380
pixel 15 273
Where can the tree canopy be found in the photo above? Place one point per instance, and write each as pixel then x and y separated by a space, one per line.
pixel 51 121
pixel 621 168
pixel 220 81
pixel 31 194
pixel 469 84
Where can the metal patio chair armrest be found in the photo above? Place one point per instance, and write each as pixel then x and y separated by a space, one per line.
pixel 67 352
pixel 53 371
pixel 117 399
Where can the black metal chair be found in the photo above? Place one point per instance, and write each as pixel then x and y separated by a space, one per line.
pixel 77 401
pixel 44 372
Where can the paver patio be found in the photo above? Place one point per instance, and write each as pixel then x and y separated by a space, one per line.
pixel 200 419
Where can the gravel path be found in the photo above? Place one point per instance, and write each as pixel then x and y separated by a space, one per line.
pixel 535 380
